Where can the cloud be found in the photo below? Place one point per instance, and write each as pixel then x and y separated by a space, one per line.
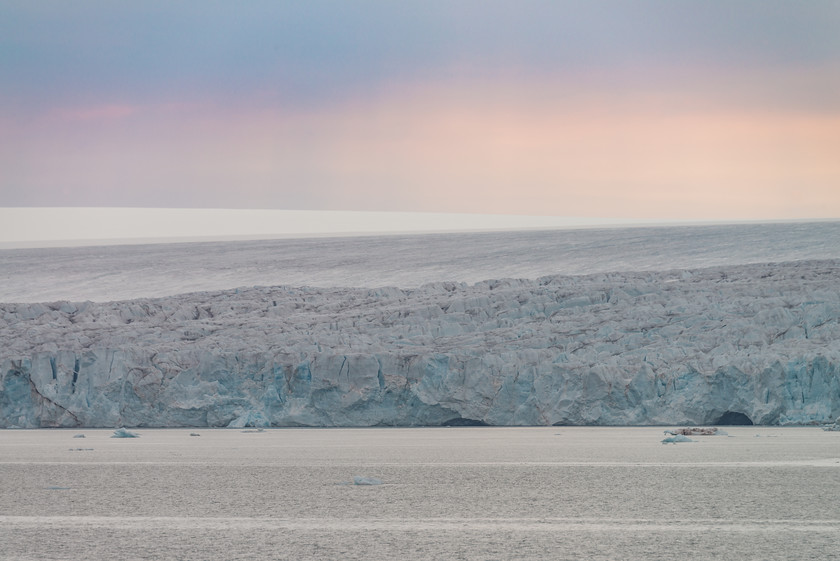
pixel 652 149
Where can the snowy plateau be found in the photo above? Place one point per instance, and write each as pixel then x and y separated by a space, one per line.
pixel 687 346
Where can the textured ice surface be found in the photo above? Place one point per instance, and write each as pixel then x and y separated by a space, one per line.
pixel 681 347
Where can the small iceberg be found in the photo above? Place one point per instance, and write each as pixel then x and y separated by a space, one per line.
pixel 834 427
pixel 698 431
pixel 676 438
pixel 361 480
pixel 123 432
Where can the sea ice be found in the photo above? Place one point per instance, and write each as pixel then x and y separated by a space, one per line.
pixel 362 480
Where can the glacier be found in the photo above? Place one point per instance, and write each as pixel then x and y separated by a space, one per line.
pixel 106 273
pixel 678 347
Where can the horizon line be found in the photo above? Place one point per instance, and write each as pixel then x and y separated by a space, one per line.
pixel 109 226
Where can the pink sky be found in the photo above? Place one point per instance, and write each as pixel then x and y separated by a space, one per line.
pixel 535 149
pixel 652 110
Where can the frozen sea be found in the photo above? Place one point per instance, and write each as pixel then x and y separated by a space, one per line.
pixel 105 273
pixel 446 493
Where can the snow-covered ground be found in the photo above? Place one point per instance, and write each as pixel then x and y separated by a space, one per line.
pixel 667 346
pixel 121 272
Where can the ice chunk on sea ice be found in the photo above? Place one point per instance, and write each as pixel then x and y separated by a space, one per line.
pixel 676 438
pixel 835 426
pixel 123 432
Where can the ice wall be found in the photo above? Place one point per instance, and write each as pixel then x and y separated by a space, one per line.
pixel 679 347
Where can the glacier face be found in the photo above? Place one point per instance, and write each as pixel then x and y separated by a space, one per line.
pixel 675 347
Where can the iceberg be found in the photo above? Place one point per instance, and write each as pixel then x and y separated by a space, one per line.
pixel 676 438
pixel 697 431
pixel 756 343
pixel 124 433
pixel 832 426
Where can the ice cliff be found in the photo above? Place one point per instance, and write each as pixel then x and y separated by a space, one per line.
pixel 678 347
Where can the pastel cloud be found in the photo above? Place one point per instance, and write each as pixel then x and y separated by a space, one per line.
pixel 532 148
pixel 585 157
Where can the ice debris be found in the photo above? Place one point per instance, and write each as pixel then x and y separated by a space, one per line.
pixel 835 426
pixel 676 438
pixel 698 431
pixel 123 432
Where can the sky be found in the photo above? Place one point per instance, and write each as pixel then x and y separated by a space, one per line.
pixel 626 110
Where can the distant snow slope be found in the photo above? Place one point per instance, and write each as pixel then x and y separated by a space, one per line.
pixel 615 348
pixel 121 272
